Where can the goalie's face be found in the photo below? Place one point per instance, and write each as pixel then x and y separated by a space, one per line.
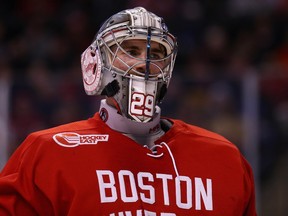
pixel 142 65
pixel 133 58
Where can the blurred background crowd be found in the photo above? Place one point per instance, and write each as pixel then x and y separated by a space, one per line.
pixel 231 74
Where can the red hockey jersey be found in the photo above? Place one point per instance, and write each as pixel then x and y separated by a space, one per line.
pixel 86 168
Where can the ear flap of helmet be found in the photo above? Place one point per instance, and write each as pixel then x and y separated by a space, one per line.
pixel 91 66
pixel 95 80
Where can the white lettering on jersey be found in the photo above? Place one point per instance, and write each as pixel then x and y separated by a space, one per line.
pixel 140 213
pixel 185 189
pixel 140 177
pixel 165 178
pixel 186 180
pixel 127 213
pixel 206 195
pixel 130 181
pixel 105 198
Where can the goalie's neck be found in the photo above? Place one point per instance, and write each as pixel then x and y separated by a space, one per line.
pixel 124 125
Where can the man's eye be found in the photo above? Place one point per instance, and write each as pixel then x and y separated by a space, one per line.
pixel 132 52
pixel 156 56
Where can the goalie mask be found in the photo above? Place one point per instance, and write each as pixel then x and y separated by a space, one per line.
pixel 114 64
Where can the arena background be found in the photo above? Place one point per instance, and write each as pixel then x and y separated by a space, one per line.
pixel 231 74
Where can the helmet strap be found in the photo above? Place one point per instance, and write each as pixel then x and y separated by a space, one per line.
pixel 162 92
pixel 116 105
pixel 111 89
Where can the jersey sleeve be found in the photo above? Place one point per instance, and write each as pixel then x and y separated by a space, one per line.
pixel 250 189
pixel 18 194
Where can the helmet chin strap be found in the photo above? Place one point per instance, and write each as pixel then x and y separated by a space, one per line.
pixel 110 90
pixel 112 102
pixel 148 53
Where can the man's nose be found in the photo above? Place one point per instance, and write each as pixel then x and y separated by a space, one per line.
pixel 141 66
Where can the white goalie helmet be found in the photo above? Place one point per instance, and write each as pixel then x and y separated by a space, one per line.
pixel 136 92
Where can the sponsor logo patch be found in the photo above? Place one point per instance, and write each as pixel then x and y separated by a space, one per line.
pixel 71 139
